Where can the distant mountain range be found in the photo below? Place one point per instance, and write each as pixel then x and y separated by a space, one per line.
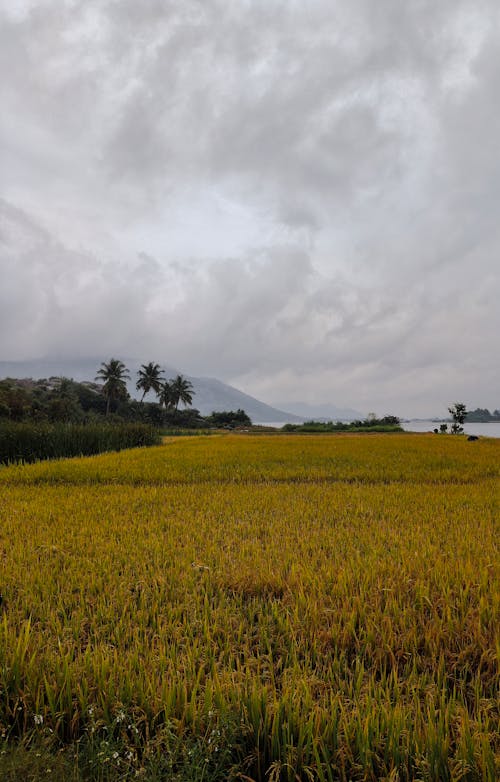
pixel 325 411
pixel 209 394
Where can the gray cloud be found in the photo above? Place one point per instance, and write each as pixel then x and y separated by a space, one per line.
pixel 299 198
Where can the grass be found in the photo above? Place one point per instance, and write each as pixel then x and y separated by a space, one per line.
pixel 253 607
pixel 29 442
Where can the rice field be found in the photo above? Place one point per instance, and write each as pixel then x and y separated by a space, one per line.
pixel 256 607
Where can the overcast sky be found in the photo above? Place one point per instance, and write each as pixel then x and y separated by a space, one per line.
pixel 299 198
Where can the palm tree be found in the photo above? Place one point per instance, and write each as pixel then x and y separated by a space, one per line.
pixel 165 395
pixel 114 374
pixel 149 379
pixel 182 390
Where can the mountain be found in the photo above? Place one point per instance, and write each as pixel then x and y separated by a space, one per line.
pixel 325 411
pixel 209 394
pixel 212 394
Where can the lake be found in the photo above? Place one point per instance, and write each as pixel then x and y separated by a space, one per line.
pixel 482 430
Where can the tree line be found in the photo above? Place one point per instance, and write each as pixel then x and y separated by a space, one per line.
pixel 482 415
pixel 389 423
pixel 63 400
pixel 170 393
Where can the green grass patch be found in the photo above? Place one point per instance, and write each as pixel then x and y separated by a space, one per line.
pixel 32 442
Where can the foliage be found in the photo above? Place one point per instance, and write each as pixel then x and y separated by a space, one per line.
pixel 189 418
pixel 255 607
pixel 30 442
pixel 166 395
pixel 149 379
pixel 173 391
pixel 483 415
pixel 114 374
pixel 15 400
pixel 63 400
pixel 389 423
pixel 458 412
pixel 181 391
pixel 229 418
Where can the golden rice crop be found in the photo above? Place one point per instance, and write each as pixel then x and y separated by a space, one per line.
pixel 320 607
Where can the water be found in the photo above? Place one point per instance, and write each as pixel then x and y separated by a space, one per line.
pixel 482 430
pixel 491 429
pixel 272 424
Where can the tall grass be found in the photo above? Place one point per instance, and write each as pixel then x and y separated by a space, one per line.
pixel 259 608
pixel 31 442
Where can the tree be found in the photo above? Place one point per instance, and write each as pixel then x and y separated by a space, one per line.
pixel 15 400
pixel 149 379
pixel 64 404
pixel 182 391
pixel 166 395
pixel 390 420
pixel 458 412
pixel 114 374
pixel 229 418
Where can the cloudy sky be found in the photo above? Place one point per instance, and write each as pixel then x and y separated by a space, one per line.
pixel 299 197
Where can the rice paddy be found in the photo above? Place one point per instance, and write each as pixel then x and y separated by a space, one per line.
pixel 256 607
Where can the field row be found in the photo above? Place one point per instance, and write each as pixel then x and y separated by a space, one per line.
pixel 405 458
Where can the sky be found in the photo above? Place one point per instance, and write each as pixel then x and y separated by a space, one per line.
pixel 298 198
